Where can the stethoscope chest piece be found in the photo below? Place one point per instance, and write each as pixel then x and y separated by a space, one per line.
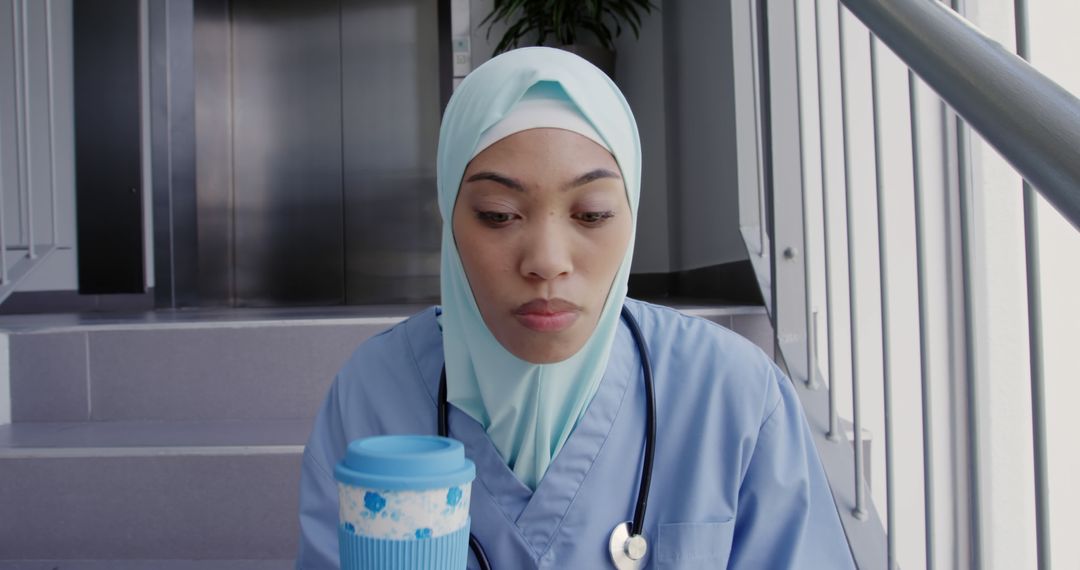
pixel 627 552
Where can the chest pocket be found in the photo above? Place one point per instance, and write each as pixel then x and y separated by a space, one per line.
pixel 694 545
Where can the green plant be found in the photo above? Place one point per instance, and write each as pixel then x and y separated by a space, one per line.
pixel 563 20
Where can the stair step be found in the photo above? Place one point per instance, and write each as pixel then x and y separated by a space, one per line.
pixel 175 440
pixel 210 365
pixel 179 370
pixel 147 491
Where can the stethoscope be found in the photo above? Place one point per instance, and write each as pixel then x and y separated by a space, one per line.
pixel 627 544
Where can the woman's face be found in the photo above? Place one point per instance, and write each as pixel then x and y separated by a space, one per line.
pixel 541 225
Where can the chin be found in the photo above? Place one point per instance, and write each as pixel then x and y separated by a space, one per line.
pixel 544 350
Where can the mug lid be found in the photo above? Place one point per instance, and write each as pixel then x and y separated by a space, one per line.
pixel 405 462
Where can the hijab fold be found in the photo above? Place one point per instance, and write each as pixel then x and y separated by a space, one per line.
pixel 527 409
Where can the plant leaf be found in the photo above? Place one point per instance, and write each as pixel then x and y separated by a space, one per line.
pixel 618 12
pixel 602 33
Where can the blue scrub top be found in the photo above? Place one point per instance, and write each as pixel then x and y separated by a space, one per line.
pixel 737 482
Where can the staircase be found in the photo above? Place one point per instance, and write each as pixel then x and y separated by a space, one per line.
pixel 173 440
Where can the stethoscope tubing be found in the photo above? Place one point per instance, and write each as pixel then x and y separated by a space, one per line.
pixel 638 523
pixel 650 423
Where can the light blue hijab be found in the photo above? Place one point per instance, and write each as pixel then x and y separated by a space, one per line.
pixel 528 410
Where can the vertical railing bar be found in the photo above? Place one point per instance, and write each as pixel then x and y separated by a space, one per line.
pixel 52 122
pixel 817 345
pixel 859 511
pixel 924 338
pixel 969 343
pixel 1035 343
pixel 808 289
pixel 1038 393
pixel 754 40
pixel 3 225
pixel 30 252
pixel 883 271
pixel 967 269
pixel 3 192
pixel 826 225
pixel 19 166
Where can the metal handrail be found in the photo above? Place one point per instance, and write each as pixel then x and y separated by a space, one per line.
pixel 1031 120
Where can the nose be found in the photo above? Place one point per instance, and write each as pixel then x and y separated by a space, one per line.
pixel 546 253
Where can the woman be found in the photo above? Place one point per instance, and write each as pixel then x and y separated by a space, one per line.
pixel 538 176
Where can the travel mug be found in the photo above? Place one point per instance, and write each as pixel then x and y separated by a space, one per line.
pixel 404 503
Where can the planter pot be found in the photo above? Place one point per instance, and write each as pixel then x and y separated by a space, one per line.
pixel 597 55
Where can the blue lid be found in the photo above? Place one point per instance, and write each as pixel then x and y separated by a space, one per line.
pixel 405 462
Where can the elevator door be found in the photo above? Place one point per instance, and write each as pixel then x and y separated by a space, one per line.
pixel 316 129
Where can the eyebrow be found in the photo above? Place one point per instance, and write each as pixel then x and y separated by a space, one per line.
pixel 513 184
pixel 497 178
pixel 594 175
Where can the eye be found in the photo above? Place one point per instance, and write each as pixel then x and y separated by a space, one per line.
pixel 494 219
pixel 594 218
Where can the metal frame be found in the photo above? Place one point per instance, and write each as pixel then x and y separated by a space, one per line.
pixel 784 145
pixel 169 35
pixel 745 50
pixel 28 188
pixel 32 255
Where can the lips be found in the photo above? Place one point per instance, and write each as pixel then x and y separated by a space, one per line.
pixel 547 315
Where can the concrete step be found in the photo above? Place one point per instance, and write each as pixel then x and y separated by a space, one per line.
pixel 244 367
pixel 174 440
pixel 147 491
pixel 209 365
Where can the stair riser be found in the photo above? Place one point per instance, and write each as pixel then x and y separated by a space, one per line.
pixel 178 374
pixel 151 507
